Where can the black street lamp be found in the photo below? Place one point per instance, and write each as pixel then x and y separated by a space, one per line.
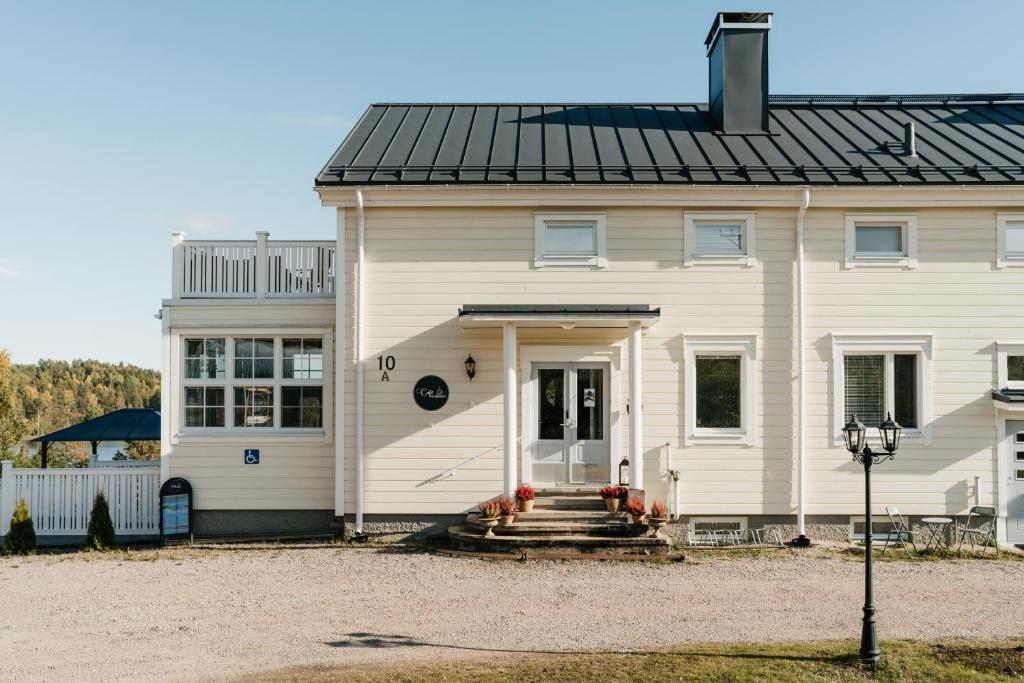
pixel 854 433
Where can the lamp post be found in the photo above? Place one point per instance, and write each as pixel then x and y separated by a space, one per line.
pixel 854 433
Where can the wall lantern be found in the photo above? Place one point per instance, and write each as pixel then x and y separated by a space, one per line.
pixel 624 472
pixel 470 368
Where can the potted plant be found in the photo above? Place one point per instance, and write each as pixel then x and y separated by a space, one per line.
pixel 489 511
pixel 611 496
pixel 636 509
pixel 525 495
pixel 507 506
pixel 659 516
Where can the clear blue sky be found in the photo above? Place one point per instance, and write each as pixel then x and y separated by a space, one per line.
pixel 120 122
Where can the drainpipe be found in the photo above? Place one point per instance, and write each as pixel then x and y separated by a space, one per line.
pixel 360 349
pixel 802 540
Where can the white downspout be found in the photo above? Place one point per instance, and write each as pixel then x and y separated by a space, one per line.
pixel 801 438
pixel 360 349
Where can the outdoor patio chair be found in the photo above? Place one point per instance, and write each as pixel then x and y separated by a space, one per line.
pixel 899 533
pixel 980 528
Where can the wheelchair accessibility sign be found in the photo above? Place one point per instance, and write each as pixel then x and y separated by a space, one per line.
pixel 252 456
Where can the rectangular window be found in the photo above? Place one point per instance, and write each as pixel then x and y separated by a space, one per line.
pixel 204 358
pixel 569 239
pixel 1015 240
pixel 1009 240
pixel 1015 368
pixel 870 379
pixel 718 392
pixel 254 358
pixel 880 240
pixel 565 239
pixel 302 407
pixel 303 359
pixel 254 406
pixel 719 239
pixel 204 406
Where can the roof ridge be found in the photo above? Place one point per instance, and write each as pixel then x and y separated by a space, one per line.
pixel 877 98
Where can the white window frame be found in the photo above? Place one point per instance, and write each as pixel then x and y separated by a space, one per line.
pixel 1003 351
pixel 542 260
pixel 877 538
pixel 866 344
pixel 694 521
pixel 1002 222
pixel 744 345
pixel 907 221
pixel 747 219
pixel 230 432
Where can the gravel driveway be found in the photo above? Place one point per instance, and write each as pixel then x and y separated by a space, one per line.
pixel 187 614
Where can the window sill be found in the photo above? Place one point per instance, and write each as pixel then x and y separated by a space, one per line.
pixel 249 436
pixel 719 438
pixel 912 437
pixel 709 260
pixel 593 262
pixel 880 262
pixel 1010 263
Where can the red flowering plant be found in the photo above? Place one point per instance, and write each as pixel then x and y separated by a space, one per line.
pixel 609 491
pixel 525 492
pixel 507 505
pixel 489 509
pixel 659 510
pixel 635 507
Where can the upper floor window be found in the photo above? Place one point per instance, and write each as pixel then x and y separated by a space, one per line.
pixel 1010 369
pixel 881 240
pixel 718 238
pixel 720 388
pixel 253 383
pixel 878 375
pixel 570 240
pixel 1009 239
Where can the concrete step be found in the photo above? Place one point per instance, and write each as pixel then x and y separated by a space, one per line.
pixel 580 491
pixel 554 515
pixel 469 539
pixel 568 503
pixel 598 524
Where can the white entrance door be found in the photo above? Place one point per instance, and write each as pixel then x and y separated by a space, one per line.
pixel 1015 487
pixel 571 413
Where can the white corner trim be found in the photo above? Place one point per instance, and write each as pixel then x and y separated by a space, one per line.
pixel 542 260
pixel 922 344
pixel 747 219
pixel 744 344
pixel 1002 222
pixel 908 221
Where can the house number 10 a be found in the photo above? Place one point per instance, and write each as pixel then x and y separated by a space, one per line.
pixel 385 364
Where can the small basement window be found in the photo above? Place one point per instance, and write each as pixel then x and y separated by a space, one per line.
pixel 570 240
pixel 718 238
pixel 881 240
pixel 1009 240
pixel 880 527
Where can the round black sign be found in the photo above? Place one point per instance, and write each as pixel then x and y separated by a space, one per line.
pixel 430 392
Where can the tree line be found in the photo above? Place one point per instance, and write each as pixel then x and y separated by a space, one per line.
pixel 52 394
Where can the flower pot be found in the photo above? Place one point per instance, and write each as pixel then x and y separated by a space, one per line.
pixel 526 505
pixel 612 504
pixel 636 519
pixel 488 523
pixel 507 519
pixel 656 523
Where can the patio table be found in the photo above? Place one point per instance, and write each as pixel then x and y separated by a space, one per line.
pixel 937 528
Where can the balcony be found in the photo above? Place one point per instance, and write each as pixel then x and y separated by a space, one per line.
pixel 252 269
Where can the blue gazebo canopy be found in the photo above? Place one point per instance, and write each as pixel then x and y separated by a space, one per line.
pixel 127 424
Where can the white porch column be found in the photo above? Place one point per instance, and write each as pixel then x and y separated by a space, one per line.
pixel 341 360
pixel 509 367
pixel 636 421
pixel 6 495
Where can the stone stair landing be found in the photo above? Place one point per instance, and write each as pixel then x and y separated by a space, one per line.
pixel 563 522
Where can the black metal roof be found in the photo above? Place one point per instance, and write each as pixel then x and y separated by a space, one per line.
pixel 127 424
pixel 560 310
pixel 819 139
pixel 1009 395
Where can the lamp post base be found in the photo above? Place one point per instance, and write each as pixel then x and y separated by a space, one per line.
pixel 801 541
pixel 869 651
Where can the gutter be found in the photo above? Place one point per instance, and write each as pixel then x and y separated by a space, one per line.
pixel 360 350
pixel 802 540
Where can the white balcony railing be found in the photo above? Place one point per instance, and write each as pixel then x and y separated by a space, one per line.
pixel 252 269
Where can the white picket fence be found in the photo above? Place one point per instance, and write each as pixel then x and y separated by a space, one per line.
pixel 60 500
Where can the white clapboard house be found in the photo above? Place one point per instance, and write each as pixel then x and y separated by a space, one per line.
pixel 540 292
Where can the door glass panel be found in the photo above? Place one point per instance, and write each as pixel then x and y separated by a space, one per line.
pixel 551 402
pixel 589 403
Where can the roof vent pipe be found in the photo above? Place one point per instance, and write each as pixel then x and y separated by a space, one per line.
pixel 737 49
pixel 909 139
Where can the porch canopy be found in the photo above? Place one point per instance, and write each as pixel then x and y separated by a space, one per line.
pixel 127 424
pixel 510 316
pixel 558 315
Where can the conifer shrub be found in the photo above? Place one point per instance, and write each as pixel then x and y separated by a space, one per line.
pixel 100 534
pixel 21 538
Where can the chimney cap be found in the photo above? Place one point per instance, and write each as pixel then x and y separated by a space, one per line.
pixel 746 20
